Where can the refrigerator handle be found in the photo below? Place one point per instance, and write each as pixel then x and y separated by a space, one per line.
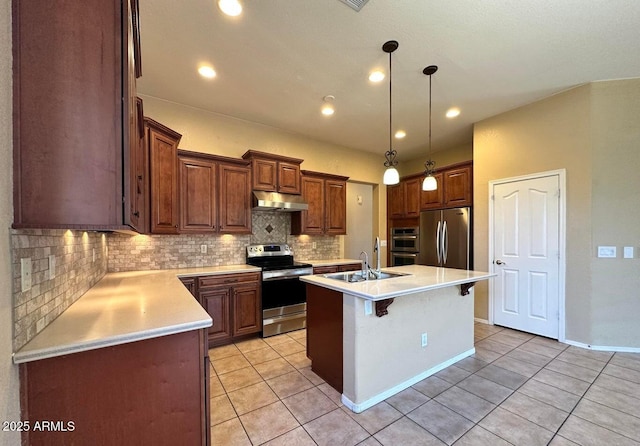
pixel 445 245
pixel 438 243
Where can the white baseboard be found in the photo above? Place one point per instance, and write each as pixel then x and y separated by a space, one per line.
pixel 603 348
pixel 482 321
pixel 357 408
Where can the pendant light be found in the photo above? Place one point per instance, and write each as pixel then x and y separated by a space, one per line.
pixel 391 175
pixel 429 182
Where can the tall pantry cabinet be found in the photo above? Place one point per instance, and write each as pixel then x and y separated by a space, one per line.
pixel 74 96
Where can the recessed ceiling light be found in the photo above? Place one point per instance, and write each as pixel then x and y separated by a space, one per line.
pixel 231 8
pixel 207 71
pixel 453 112
pixel 376 76
pixel 400 134
pixel 327 109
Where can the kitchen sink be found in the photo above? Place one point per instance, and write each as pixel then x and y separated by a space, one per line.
pixel 357 276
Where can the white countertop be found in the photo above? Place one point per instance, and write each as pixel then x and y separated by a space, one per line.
pixel 125 307
pixel 418 278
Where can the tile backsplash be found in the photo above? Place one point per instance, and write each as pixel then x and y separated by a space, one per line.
pixel 83 258
pixel 80 262
pixel 146 252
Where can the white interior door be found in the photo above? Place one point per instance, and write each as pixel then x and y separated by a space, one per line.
pixel 526 255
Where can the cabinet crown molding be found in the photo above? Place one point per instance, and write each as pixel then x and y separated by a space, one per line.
pixel 249 154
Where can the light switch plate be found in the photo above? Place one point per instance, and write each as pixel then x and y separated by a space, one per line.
pixel 628 252
pixel 607 252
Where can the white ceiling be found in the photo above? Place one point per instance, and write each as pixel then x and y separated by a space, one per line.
pixel 278 60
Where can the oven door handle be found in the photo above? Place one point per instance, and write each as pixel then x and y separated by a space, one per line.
pixel 278 319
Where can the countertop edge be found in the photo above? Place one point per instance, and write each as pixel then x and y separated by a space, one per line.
pixel 36 355
pixel 26 354
pixel 346 289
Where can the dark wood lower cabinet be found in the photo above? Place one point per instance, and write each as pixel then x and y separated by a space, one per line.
pixel 234 302
pixel 153 391
pixel 324 334
pixel 329 269
pixel 217 302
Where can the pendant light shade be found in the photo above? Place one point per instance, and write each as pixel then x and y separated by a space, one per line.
pixel 391 175
pixel 429 182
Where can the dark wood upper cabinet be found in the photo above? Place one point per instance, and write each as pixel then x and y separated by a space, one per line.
pixel 458 184
pixel 274 173
pixel 289 177
pixel 71 167
pixel 395 200
pixel 336 207
pixel 198 194
pixel 326 196
pixel 162 144
pixel 455 188
pixel 215 193
pixel 433 199
pixel 235 198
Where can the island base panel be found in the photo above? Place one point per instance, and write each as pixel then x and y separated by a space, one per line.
pixel 146 392
pixel 324 334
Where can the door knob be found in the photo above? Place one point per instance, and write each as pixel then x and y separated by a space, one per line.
pixel 500 262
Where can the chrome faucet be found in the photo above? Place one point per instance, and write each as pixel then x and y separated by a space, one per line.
pixel 376 250
pixel 365 264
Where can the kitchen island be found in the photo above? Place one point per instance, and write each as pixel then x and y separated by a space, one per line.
pixel 374 338
pixel 125 364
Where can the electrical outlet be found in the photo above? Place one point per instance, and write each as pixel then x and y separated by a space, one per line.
pixel 368 307
pixel 313 245
pixel 203 249
pixel 52 266
pixel 423 339
pixel 94 255
pixel 628 252
pixel 25 274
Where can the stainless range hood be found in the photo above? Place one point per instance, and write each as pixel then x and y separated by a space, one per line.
pixel 273 201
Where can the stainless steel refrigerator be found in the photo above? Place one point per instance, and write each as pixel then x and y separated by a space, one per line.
pixel 445 238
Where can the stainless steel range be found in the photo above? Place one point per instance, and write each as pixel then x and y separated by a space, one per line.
pixel 284 297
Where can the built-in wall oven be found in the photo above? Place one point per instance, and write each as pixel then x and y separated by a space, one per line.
pixel 284 298
pixel 405 239
pixel 405 245
pixel 404 258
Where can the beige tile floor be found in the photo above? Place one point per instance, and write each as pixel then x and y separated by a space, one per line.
pixel 517 389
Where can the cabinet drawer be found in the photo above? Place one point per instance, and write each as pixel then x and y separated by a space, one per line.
pixel 350 267
pixel 325 269
pixel 227 279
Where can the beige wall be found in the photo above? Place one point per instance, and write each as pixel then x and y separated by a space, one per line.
pixel 208 132
pixel 442 158
pixel 391 345
pixel 615 218
pixel 592 132
pixel 9 403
